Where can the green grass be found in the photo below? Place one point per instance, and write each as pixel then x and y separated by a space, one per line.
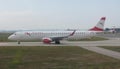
pixel 61 57
pixel 4 37
pixel 114 48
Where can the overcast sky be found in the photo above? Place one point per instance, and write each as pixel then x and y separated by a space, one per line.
pixel 57 14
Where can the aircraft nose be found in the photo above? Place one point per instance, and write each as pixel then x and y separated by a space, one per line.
pixel 11 37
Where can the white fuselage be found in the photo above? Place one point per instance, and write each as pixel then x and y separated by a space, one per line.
pixel 39 35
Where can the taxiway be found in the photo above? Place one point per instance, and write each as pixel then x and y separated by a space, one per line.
pixel 89 45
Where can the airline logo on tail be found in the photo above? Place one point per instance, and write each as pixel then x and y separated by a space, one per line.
pixel 99 26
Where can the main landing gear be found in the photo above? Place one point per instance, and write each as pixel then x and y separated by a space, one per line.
pixel 57 42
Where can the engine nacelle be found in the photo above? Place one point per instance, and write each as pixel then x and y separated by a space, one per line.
pixel 47 40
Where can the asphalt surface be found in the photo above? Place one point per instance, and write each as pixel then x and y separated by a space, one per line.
pixel 115 42
pixel 89 45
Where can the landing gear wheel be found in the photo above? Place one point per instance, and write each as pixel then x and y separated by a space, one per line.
pixel 18 42
pixel 57 42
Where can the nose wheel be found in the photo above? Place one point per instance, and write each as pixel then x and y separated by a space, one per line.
pixel 18 42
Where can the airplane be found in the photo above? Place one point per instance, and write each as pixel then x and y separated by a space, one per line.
pixel 48 37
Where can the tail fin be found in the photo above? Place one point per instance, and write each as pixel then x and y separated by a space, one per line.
pixel 99 26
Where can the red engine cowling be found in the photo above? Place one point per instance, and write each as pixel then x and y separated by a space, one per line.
pixel 47 40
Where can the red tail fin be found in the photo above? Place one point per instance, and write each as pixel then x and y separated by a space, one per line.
pixel 99 26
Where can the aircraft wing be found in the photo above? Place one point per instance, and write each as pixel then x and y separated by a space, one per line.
pixel 54 38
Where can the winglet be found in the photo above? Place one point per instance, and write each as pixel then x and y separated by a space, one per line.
pixel 72 33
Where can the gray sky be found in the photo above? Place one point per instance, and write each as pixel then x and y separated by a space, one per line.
pixel 57 14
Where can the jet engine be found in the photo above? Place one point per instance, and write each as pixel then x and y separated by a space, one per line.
pixel 47 40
